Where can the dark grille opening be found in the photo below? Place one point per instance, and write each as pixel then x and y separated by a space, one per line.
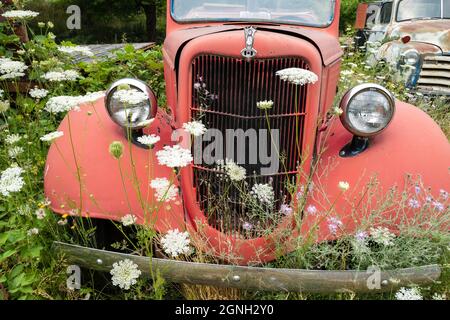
pixel 231 89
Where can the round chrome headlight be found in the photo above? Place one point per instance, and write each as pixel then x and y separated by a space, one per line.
pixel 130 103
pixel 411 57
pixel 368 109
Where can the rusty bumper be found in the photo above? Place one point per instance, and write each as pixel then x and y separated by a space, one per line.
pixel 255 278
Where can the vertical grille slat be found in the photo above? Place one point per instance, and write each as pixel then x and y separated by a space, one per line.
pixel 237 86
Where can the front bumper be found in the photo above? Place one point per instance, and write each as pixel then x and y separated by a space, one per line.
pixel 255 278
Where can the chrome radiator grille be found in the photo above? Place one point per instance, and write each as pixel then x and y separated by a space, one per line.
pixel 235 86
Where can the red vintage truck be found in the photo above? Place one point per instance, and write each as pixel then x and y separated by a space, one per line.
pixel 244 65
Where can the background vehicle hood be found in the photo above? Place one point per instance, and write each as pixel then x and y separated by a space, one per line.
pixel 436 32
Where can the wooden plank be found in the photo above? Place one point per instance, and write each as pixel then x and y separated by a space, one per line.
pixel 107 50
pixel 252 278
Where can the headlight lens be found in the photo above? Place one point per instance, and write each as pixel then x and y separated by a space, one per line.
pixel 130 103
pixel 412 57
pixel 368 109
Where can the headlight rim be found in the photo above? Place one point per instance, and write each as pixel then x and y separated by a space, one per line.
pixel 351 94
pixel 139 84
pixel 405 59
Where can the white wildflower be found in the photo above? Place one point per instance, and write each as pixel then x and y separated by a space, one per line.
pixel 1 93
pixel 297 76
pixel 247 226
pixel 444 194
pixel 91 97
pixel 438 296
pixel 149 140
pixel 176 243
pixel 125 274
pixel 195 128
pixel 265 105
pixel 263 192
pixel 346 73
pixel 382 236
pixel 38 93
pixel 52 136
pixel 32 232
pixel 20 14
pixel 174 157
pixel 59 76
pixel 10 69
pixel 164 190
pixel 12 138
pixel 130 96
pixel 62 222
pixel 344 186
pixel 4 105
pixel 14 152
pixel 408 294
pixel 128 220
pixel 76 50
pixel 40 213
pixel 62 104
pixel 11 181
pixel 234 171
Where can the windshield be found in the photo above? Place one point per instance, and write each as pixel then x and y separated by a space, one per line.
pixel 423 9
pixel 305 12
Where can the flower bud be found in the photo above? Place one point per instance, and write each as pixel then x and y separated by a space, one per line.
pixel 116 149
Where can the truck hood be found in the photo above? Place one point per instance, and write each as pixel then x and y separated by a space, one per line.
pixel 435 32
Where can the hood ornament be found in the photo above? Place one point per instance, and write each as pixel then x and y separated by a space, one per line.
pixel 249 52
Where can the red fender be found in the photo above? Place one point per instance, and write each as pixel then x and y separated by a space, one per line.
pixel 103 193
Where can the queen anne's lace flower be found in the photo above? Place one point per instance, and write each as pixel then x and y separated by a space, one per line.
pixel 264 105
pixel 164 190
pixel 382 236
pixel 195 128
pixel 10 69
pixel 4 105
pixel 32 232
pixel 125 274
pixel 52 136
pixel 14 152
pixel 233 170
pixel 128 220
pixel 344 186
pixel 59 76
pixel 11 181
pixel 12 138
pixel 174 157
pixel 149 140
pixel 62 104
pixel 130 96
pixel 90 97
pixel 176 243
pixel 76 50
pixel 408 294
pixel 297 76
pixel 38 93
pixel 263 192
pixel 20 14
